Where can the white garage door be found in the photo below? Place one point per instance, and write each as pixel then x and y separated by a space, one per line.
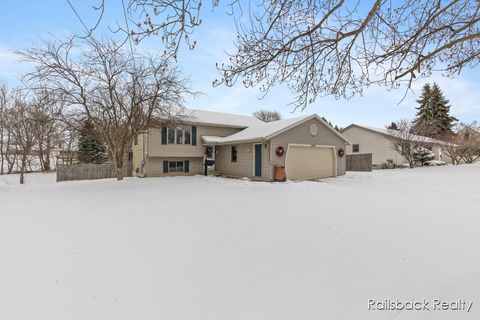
pixel 309 162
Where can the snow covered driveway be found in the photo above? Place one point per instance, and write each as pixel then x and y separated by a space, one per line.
pixel 220 249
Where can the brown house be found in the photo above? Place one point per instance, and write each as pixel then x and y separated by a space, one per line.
pixel 241 146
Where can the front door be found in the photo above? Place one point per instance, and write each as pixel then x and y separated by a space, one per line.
pixel 210 155
pixel 258 160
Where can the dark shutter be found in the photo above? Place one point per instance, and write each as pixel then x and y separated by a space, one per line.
pixel 194 135
pixel 165 166
pixel 186 166
pixel 164 135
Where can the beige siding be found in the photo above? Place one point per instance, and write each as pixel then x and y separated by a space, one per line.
pixel 155 166
pixel 440 155
pixel 244 167
pixel 379 145
pixel 150 145
pixel 157 149
pixel 139 153
pixel 301 135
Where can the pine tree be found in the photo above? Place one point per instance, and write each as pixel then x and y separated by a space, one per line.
pixel 392 126
pixel 441 112
pixel 91 148
pixel 433 113
pixel 423 155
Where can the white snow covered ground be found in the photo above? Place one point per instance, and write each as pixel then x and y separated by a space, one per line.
pixel 209 248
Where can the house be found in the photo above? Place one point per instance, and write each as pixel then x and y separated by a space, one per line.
pixel 241 146
pixel 469 133
pixel 379 142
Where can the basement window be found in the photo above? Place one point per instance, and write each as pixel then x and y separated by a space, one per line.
pixel 356 148
pixel 175 166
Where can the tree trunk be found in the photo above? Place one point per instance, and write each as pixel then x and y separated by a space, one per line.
pixel 1 152
pixel 118 165
pixel 411 164
pixel 46 161
pixel 120 174
pixel 22 169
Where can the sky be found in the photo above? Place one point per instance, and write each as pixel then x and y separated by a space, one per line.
pixel 28 23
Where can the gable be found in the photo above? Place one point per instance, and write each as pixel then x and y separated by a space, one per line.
pixel 300 133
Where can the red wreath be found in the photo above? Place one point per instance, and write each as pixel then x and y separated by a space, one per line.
pixel 341 153
pixel 280 151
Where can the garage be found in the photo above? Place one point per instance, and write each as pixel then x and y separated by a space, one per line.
pixel 310 162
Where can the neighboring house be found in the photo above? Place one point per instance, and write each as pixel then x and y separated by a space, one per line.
pixel 469 133
pixel 241 146
pixel 379 142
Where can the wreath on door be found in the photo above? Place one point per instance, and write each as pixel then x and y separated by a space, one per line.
pixel 341 153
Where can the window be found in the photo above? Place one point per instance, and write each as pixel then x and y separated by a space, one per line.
pixel 234 153
pixel 171 135
pixel 179 166
pixel 180 135
pixel 188 135
pixel 356 148
pixel 175 166
pixel 467 136
pixel 135 140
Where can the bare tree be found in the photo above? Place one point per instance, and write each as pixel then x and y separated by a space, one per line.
pixel 453 150
pixel 407 143
pixel 469 143
pixel 9 150
pixel 121 93
pixel 267 115
pixel 21 124
pixel 47 115
pixel 3 108
pixel 453 146
pixel 464 144
pixel 323 47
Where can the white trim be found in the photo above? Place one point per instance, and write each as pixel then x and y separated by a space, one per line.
pixel 261 161
pixel 312 146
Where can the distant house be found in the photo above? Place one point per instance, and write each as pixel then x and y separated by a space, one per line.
pixel 379 142
pixel 469 133
pixel 241 146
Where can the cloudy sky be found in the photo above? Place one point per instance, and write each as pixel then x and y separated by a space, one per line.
pixel 25 23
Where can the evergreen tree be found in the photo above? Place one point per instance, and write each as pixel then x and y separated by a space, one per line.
pixel 392 126
pixel 423 155
pixel 433 113
pixel 441 112
pixel 91 148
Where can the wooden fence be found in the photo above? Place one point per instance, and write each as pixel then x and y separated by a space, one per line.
pixel 359 162
pixel 89 171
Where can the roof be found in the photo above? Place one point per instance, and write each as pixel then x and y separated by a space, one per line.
pixel 472 128
pixel 219 118
pixel 387 132
pixel 266 131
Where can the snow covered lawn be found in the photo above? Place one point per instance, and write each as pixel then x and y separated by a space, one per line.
pixel 221 249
